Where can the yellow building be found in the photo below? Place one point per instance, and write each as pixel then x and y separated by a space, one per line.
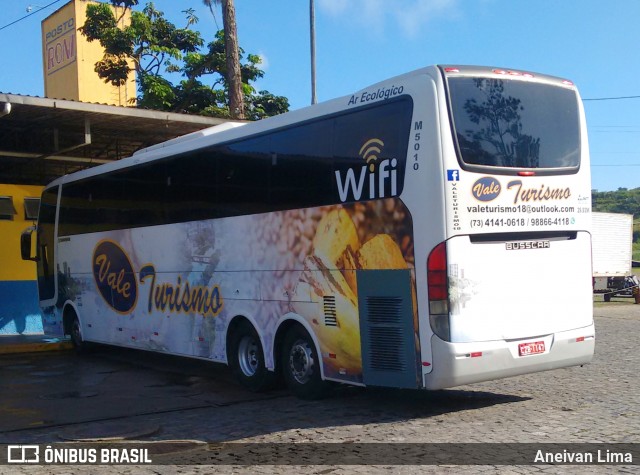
pixel 69 59
pixel 20 311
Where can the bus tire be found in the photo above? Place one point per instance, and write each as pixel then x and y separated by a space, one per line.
pixel 300 365
pixel 246 358
pixel 75 332
pixel 607 297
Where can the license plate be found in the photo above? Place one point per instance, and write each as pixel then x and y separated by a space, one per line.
pixel 526 349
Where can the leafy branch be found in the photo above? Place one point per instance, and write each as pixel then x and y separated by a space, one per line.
pixel 157 50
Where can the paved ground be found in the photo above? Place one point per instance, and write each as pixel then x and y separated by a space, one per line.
pixel 49 397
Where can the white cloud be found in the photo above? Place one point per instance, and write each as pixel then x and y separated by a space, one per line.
pixel 334 7
pixel 409 15
pixel 363 11
pixel 421 12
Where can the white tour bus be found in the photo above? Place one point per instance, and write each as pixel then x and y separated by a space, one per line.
pixel 428 231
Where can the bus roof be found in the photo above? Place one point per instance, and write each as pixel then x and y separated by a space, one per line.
pixel 488 71
pixel 234 130
pixel 193 135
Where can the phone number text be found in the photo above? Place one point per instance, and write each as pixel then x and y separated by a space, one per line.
pixel 512 222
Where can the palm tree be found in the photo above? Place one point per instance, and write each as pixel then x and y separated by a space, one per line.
pixel 234 78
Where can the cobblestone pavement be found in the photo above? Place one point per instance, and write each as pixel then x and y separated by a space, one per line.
pixel 597 403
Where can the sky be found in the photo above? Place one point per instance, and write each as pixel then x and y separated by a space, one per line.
pixel 593 43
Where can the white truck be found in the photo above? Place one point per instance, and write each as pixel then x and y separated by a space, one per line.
pixel 611 238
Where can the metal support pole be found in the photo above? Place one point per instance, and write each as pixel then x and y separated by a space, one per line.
pixel 312 20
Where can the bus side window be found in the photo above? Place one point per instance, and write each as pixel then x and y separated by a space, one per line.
pixel 243 177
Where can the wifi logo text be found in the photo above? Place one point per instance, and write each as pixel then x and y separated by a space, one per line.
pixel 382 178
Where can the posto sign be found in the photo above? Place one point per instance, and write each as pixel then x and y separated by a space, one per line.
pixel 60 46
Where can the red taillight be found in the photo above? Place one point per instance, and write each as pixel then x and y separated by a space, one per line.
pixel 451 70
pixel 526 173
pixel 437 273
pixel 438 285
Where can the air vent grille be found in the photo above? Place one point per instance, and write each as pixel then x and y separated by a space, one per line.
pixel 330 319
pixel 386 344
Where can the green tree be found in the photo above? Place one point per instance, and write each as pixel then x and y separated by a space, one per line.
pixel 160 51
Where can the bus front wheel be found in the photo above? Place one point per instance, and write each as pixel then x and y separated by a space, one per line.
pixel 246 359
pixel 301 365
pixel 75 331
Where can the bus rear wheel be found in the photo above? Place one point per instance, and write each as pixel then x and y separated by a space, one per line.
pixel 301 366
pixel 246 358
pixel 75 331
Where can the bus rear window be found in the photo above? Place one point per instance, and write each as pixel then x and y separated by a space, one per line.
pixel 515 124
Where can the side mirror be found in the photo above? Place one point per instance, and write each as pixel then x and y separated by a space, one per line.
pixel 27 246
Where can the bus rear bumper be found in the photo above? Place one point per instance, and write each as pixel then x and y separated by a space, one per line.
pixel 455 364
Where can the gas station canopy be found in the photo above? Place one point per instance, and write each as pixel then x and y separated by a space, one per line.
pixel 42 139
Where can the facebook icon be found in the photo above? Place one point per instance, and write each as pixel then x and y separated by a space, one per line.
pixel 453 175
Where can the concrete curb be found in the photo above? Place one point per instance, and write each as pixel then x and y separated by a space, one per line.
pixel 32 344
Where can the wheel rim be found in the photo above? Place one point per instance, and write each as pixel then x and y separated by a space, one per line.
pixel 301 362
pixel 248 356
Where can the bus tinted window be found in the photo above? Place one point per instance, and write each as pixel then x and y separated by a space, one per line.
pixel 302 166
pixel 515 124
pixel 289 168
